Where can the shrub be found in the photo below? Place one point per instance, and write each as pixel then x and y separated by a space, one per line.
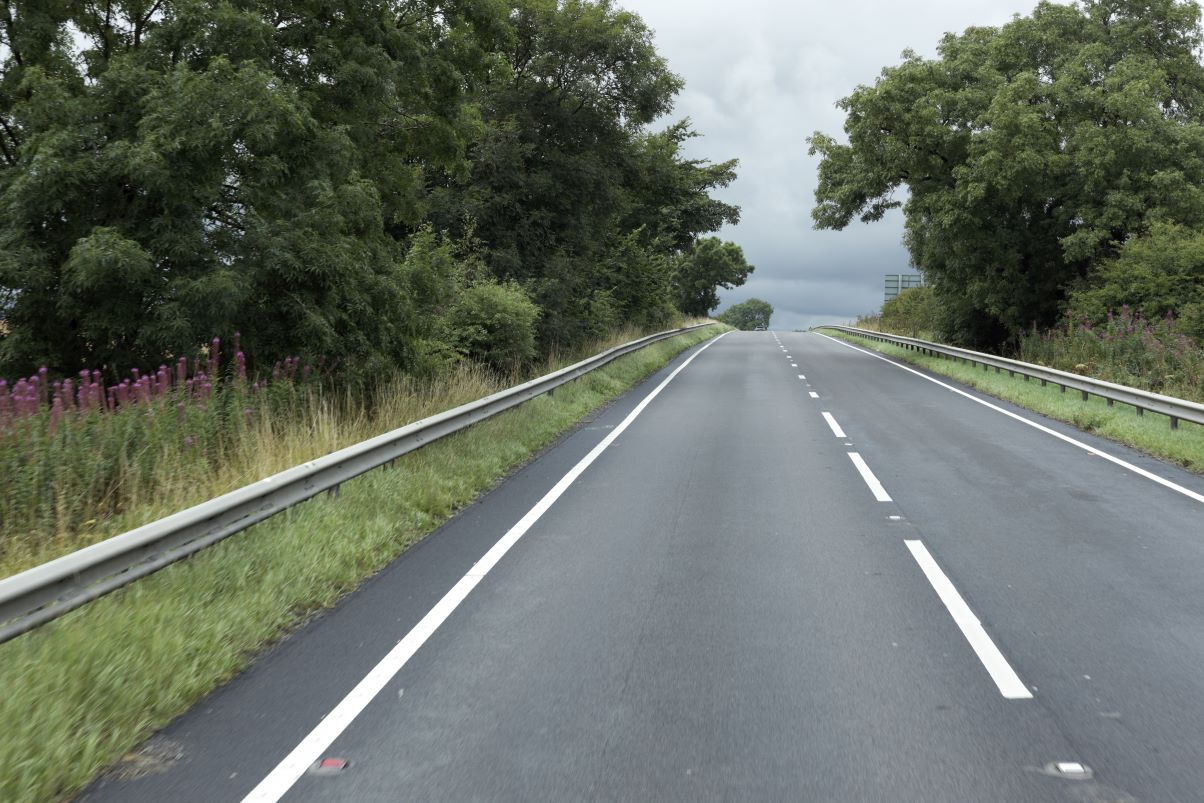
pixel 1158 273
pixel 1127 348
pixel 494 324
pixel 914 312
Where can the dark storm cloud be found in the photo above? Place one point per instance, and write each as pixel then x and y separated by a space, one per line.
pixel 760 77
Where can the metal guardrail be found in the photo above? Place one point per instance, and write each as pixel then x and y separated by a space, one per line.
pixel 1176 409
pixel 36 596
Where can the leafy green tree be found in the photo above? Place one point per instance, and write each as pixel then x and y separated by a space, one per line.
pixel 572 86
pixel 669 196
pixel 747 315
pixel 711 264
pixel 1028 153
pixel 203 166
pixel 329 177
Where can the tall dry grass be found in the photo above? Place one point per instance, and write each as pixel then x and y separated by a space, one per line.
pixel 70 480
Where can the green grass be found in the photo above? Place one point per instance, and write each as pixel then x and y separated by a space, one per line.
pixel 84 690
pixel 1150 433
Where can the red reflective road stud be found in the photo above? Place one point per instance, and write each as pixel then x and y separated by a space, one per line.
pixel 329 766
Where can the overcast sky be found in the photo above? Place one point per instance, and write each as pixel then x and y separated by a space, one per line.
pixel 761 75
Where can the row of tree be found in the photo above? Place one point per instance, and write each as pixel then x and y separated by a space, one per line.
pixel 383 182
pixel 1054 162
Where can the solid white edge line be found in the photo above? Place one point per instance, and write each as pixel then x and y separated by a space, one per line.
pixel 281 779
pixel 1009 683
pixel 864 470
pixel 836 430
pixel 1149 475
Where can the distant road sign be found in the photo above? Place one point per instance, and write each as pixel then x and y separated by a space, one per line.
pixel 898 282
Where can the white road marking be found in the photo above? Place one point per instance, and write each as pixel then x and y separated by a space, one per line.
pixel 836 430
pixel 813 394
pixel 794 365
pixel 1009 683
pixel 1149 475
pixel 312 747
pixel 800 376
pixel 879 492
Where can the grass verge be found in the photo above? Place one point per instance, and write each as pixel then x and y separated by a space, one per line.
pixel 81 691
pixel 1149 433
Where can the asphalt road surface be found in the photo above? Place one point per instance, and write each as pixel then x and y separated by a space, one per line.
pixel 780 569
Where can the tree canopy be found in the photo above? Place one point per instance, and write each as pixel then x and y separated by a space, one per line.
pixel 1028 153
pixel 700 273
pixel 747 315
pixel 331 177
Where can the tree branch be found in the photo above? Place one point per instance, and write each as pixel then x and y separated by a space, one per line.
pixel 12 42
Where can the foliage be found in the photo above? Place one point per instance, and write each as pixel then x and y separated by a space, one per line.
pixel 329 177
pixel 700 272
pixel 1028 152
pixel 74 452
pixel 914 312
pixel 1128 349
pixel 566 192
pixel 494 324
pixel 1160 273
pixel 751 314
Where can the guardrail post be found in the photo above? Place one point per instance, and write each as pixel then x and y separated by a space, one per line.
pixel 1140 411
pixel 1174 422
pixel 1084 395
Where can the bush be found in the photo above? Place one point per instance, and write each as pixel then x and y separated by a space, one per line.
pixel 494 324
pixel 1127 348
pixel 1159 273
pixel 914 312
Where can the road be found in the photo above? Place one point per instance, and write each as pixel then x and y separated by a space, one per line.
pixel 797 572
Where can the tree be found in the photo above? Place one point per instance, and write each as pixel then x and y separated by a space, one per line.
pixel 751 314
pixel 1028 152
pixel 175 170
pixel 711 264
pixel 563 108
pixel 330 177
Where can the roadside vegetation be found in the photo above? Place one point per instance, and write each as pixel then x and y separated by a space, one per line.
pixel 75 474
pixel 1149 433
pixel 85 689
pixel 1127 348
pixel 1052 171
pixel 393 188
pixel 236 235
